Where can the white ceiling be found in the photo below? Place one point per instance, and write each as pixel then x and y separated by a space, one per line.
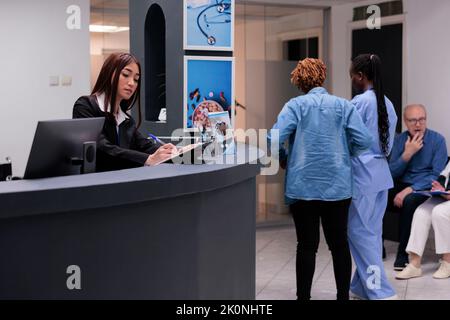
pixel 115 12
pixel 118 4
pixel 313 3
pixel 272 11
pixel 110 12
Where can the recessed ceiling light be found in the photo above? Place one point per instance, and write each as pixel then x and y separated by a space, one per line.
pixel 108 29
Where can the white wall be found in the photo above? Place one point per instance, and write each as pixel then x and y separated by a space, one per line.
pixel 339 59
pixel 428 63
pixel 290 27
pixel 36 45
pixel 427 80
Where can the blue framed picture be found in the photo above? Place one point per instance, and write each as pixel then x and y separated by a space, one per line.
pixel 209 25
pixel 208 88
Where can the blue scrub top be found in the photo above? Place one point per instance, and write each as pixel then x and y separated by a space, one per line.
pixel 371 172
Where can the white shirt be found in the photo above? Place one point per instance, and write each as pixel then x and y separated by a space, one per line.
pixel 120 117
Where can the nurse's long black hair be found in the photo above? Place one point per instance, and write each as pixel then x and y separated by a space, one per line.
pixel 370 66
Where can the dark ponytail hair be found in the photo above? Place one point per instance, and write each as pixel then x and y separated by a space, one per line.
pixel 370 66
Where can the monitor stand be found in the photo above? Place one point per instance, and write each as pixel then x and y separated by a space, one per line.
pixel 88 161
pixel 6 170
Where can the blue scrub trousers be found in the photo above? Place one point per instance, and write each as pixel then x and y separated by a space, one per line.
pixel 365 228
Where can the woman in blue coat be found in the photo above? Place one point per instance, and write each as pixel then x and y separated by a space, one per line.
pixel 372 180
pixel 323 132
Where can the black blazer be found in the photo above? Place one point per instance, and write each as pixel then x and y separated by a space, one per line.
pixel 129 149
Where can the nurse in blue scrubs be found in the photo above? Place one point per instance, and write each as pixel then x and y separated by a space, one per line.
pixel 372 180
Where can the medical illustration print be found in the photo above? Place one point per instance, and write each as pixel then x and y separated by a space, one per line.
pixel 209 25
pixel 208 88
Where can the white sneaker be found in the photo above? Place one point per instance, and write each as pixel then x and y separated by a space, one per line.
pixel 443 272
pixel 409 272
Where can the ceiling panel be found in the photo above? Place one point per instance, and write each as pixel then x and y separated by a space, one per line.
pixel 115 12
pixel 110 12
pixel 313 3
pixel 272 11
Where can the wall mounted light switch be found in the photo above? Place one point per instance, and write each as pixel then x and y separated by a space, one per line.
pixel 66 80
pixel 54 81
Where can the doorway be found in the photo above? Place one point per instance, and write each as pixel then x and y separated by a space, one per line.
pixel 387 43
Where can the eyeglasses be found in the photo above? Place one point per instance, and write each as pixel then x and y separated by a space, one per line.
pixel 414 121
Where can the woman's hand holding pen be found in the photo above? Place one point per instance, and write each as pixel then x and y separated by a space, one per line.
pixel 163 153
pixel 436 186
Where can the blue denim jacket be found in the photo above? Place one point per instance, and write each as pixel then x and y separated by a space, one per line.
pixel 324 131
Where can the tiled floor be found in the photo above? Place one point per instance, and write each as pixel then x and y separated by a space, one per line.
pixel 275 270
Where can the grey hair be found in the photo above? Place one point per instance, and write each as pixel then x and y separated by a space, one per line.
pixel 415 105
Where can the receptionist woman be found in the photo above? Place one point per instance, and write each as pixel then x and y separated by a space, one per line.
pixel 120 144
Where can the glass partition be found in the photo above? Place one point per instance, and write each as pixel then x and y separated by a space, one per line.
pixel 269 39
pixel 110 31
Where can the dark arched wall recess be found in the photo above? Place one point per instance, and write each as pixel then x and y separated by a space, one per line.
pixel 155 66
pixel 156 39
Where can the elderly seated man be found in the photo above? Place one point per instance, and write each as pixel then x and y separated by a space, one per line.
pixel 418 157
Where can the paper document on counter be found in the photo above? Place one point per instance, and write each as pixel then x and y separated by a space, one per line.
pixel 180 152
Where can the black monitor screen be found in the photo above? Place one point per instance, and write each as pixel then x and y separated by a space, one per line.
pixel 56 143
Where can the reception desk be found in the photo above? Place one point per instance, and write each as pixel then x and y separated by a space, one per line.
pixel 165 232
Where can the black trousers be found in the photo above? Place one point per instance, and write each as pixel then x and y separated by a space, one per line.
pixel 334 216
pixel 410 204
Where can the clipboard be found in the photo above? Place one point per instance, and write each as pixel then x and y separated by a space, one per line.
pixel 432 193
pixel 181 152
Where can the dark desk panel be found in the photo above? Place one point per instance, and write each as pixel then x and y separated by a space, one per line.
pixel 166 232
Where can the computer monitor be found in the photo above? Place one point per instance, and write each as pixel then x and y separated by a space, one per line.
pixel 63 147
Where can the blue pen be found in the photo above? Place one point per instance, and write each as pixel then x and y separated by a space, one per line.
pixel 156 138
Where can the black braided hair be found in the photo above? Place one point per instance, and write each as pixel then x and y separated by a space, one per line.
pixel 370 66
